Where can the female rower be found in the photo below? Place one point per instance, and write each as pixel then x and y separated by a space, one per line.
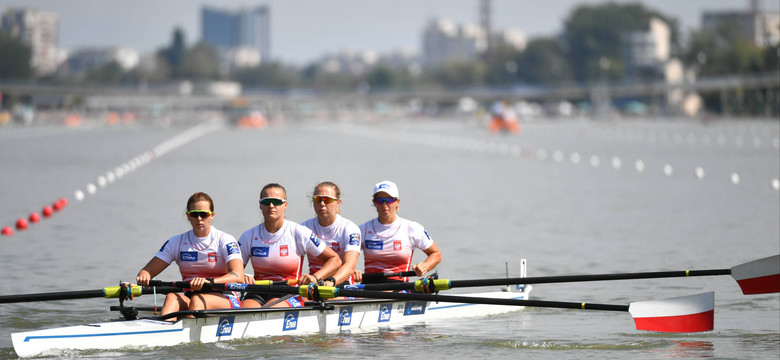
pixel 204 254
pixel 276 248
pixel 389 240
pixel 339 233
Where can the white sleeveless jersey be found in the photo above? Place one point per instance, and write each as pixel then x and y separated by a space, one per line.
pixel 389 248
pixel 279 256
pixel 200 257
pixel 341 236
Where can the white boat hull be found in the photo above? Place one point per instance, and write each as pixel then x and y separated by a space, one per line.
pixel 224 325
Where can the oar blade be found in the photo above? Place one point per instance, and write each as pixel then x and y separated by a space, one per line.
pixel 760 276
pixel 692 313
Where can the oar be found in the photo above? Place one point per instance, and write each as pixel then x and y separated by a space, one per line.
pixel 371 277
pixel 755 277
pixel 110 292
pixel 693 313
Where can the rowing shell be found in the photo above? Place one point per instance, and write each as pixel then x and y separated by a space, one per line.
pixel 229 324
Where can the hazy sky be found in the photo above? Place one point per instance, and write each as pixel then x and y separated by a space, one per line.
pixel 303 30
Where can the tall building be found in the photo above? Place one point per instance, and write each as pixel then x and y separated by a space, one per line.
pixel 238 32
pixel 444 41
pixel 40 30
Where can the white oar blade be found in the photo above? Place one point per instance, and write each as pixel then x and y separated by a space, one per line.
pixel 760 276
pixel 692 313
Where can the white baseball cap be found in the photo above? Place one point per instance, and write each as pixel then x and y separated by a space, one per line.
pixel 388 187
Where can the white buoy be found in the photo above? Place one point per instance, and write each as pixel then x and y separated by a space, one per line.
pixel 776 184
pixel 91 188
pixel 79 195
pixel 102 181
pixel 110 177
pixel 616 163
pixel 668 170
pixel 541 154
pixel 699 172
pixel 735 178
pixel 575 158
pixel 640 166
pixel 558 156
pixel 594 160
pixel 738 140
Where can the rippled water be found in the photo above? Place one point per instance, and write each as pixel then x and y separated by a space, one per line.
pixel 552 195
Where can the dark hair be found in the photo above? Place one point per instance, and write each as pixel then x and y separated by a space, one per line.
pixel 273 185
pixel 330 184
pixel 200 196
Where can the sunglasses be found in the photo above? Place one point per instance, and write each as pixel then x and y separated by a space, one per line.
pixel 384 200
pixel 327 199
pixel 199 213
pixel 267 201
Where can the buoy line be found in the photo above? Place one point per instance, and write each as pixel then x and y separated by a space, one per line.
pixel 114 175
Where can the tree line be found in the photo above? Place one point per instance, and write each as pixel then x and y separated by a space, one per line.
pixel 590 49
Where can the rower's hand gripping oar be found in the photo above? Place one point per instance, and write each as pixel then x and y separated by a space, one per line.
pixel 755 277
pixel 692 313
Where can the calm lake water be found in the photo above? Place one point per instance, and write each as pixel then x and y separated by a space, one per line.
pixel 570 196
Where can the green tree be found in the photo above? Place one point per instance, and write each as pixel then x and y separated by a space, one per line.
pixel 720 51
pixel 200 63
pixel 594 33
pixel 108 74
pixel 543 62
pixel 459 74
pixel 267 75
pixel 14 58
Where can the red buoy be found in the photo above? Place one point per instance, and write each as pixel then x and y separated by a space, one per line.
pixel 7 231
pixel 47 211
pixel 63 201
pixel 34 218
pixel 21 224
pixel 57 206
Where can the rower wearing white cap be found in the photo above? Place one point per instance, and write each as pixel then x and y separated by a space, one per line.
pixel 389 240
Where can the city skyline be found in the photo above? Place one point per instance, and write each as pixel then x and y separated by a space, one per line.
pixel 304 31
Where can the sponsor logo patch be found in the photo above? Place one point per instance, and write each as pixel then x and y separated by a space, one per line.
pixel 354 239
pixel 212 257
pixel 290 320
pixel 374 244
pixel 260 251
pixel 414 308
pixel 397 245
pixel 345 316
pixel 384 312
pixel 232 248
pixel 188 256
pixel 225 327
pixel 315 240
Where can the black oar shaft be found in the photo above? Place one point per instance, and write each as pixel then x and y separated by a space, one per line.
pixel 480 300
pixel 367 277
pixel 594 277
pixel 63 295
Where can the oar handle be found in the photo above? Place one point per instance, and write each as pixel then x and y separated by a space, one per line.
pixel 367 277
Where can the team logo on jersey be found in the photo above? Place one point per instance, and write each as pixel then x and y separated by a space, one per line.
pixel 164 245
pixel 426 234
pixel 188 256
pixel 335 246
pixel 315 240
pixel 397 245
pixel 374 244
pixel 232 248
pixel 290 320
pixel 354 239
pixel 384 312
pixel 260 251
pixel 212 257
pixel 225 327
pixel 295 301
pixel 345 316
pixel 414 308
pixel 283 251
